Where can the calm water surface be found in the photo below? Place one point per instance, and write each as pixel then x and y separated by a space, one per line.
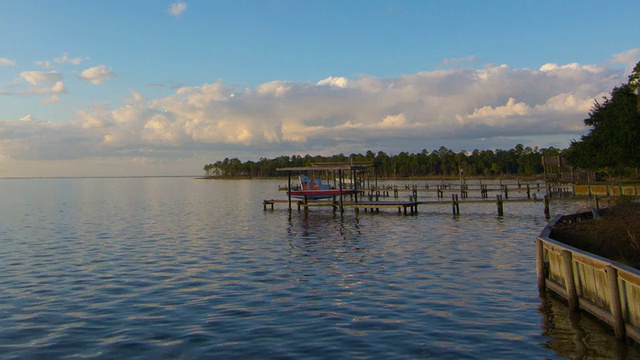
pixel 184 268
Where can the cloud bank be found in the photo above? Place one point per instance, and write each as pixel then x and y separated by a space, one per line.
pixel 493 107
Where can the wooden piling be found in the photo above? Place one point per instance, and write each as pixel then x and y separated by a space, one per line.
pixel 455 204
pixel 546 205
pixel 614 301
pixel 500 205
pixel 569 283
pixel 540 267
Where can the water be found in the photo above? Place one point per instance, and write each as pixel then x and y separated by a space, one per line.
pixel 184 268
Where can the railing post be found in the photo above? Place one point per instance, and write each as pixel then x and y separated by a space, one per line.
pixel 569 283
pixel 540 267
pixel 614 300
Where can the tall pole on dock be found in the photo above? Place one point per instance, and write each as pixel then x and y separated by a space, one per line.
pixel 289 187
pixel 340 183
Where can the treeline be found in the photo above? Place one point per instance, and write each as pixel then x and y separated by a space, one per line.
pixel 612 145
pixel 443 162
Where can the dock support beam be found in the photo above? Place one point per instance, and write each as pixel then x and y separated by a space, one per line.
pixel 289 191
pixel 455 204
pixel 569 283
pixel 546 205
pixel 614 301
pixel 540 267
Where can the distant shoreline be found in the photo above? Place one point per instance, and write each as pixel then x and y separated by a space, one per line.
pixel 96 177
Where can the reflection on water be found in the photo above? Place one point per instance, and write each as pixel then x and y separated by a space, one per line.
pixel 579 335
pixel 171 268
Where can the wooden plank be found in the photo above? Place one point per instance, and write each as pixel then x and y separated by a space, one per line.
pixel 557 288
pixel 581 190
pixel 630 302
pixel 624 274
pixel 592 285
pixel 589 260
pixel 600 190
pixel 596 311
pixel 632 332
pixel 555 267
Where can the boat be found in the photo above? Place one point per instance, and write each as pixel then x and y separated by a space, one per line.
pixel 317 189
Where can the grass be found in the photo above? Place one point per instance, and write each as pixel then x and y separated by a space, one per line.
pixel 614 235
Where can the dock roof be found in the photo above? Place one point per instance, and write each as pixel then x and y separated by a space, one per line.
pixel 331 166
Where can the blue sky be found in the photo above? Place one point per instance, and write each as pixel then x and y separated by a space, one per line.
pixel 163 87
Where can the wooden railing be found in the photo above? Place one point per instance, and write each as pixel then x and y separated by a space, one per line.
pixel 607 289
pixel 606 190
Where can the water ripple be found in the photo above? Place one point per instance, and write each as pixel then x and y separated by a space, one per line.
pixel 180 268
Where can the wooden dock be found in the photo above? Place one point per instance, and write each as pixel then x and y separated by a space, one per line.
pixel 363 194
pixel 375 206
pixel 404 207
pixel 607 289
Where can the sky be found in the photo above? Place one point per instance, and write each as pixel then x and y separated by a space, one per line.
pixel 154 88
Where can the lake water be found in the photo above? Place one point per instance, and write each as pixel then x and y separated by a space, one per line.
pixel 186 268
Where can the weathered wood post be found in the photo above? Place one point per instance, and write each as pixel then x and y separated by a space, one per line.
pixel 289 190
pixel 614 301
pixel 506 192
pixel 546 205
pixel 540 267
pixel 528 192
pixel 455 205
pixel 569 283
pixel 354 181
pixel 341 196
pixel 499 204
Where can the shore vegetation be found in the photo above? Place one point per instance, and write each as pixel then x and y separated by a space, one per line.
pixel 519 161
pixel 614 234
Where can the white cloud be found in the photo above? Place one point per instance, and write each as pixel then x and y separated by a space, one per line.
pixel 465 107
pixel 393 121
pixel 628 58
pixel 340 82
pixel 136 96
pixel 65 59
pixel 97 74
pixel 38 77
pixel 7 62
pixel 44 63
pixel 178 8
pixel 41 83
pixel 274 88
pixel 511 108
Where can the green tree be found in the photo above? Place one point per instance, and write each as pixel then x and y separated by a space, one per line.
pixel 613 140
